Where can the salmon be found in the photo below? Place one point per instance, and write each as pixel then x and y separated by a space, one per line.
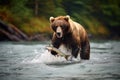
pixel 59 53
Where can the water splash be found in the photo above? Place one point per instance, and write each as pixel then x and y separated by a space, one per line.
pixel 47 58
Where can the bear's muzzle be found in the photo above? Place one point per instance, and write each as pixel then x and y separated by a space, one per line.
pixel 59 32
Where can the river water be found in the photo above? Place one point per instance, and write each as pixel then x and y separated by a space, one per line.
pixel 30 61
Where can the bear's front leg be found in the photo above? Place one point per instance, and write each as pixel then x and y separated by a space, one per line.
pixel 85 50
pixel 56 43
pixel 75 50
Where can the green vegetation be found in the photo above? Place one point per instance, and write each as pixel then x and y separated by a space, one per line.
pixel 99 17
pixel 35 26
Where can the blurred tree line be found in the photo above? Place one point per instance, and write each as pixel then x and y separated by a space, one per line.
pixel 99 17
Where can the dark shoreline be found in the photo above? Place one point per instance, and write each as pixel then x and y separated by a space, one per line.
pixel 46 37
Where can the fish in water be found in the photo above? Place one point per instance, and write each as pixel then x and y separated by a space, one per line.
pixel 59 53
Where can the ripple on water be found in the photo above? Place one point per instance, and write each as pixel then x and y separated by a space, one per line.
pixel 33 62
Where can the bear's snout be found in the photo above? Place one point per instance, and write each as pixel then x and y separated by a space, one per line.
pixel 59 32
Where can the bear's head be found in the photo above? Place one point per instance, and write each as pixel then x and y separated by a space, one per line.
pixel 60 25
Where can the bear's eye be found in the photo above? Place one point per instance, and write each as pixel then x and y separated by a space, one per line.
pixel 63 27
pixel 54 28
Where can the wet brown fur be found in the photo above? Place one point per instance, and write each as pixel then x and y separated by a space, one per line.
pixel 74 36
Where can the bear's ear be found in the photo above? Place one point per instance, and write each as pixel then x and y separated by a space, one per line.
pixel 67 17
pixel 52 19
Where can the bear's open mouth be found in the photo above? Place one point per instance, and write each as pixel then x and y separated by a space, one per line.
pixel 59 34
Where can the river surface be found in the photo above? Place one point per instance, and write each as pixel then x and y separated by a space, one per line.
pixel 31 61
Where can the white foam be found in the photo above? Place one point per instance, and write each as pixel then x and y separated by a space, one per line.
pixel 47 57
pixel 65 50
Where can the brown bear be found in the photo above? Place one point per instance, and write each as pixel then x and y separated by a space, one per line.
pixel 70 34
